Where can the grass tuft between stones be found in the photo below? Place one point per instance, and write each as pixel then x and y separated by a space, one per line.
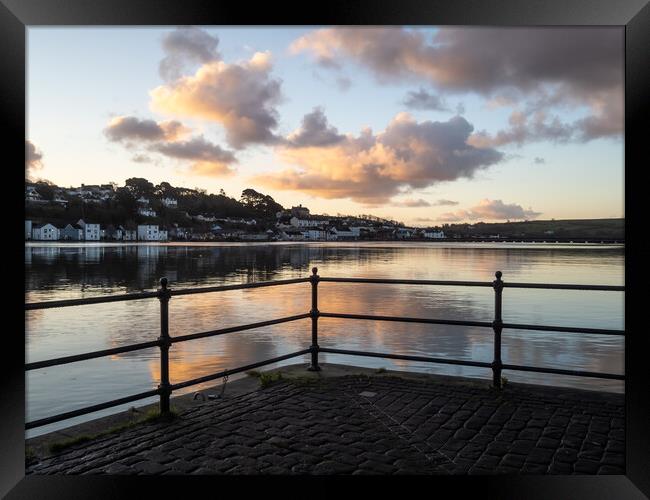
pixel 150 417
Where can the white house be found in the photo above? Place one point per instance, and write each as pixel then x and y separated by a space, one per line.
pixel 344 233
pixel 45 232
pixel 292 234
pixel 32 195
pixel 296 222
pixel 162 235
pixel 432 234
pixel 28 229
pixel 91 232
pixel 148 232
pixel 170 202
pixel 315 234
pixel 147 212
pixel 143 201
pixel 70 232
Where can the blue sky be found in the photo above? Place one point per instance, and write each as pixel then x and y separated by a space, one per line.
pixel 79 79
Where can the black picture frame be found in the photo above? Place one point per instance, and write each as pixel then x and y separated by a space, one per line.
pixel 634 15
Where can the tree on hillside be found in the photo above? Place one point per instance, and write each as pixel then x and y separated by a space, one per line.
pixel 263 204
pixel 165 190
pixel 138 186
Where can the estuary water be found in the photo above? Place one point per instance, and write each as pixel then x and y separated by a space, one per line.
pixel 63 271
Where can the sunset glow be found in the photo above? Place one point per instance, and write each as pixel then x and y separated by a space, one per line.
pixel 425 125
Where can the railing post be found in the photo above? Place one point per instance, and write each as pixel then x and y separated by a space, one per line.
pixel 164 294
pixel 314 313
pixel 497 325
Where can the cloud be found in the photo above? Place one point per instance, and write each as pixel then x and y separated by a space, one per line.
pixel 424 100
pixel 240 96
pixel 523 130
pixel 186 45
pixel 165 138
pixel 130 129
pixel 413 203
pixel 314 131
pixel 141 158
pixel 490 210
pixel 442 203
pixel 539 161
pixel 578 67
pixel 535 124
pixel 209 159
pixel 371 168
pixel 484 60
pixel 424 219
pixel 33 157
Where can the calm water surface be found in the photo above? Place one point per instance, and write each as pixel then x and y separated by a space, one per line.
pixel 62 271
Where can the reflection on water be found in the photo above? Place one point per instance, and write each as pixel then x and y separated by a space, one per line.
pixel 71 271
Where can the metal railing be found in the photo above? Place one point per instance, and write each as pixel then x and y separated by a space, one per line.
pixel 165 341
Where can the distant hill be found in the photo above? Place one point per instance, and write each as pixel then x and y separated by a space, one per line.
pixel 571 228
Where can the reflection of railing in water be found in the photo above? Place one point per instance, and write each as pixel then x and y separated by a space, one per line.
pixel 164 342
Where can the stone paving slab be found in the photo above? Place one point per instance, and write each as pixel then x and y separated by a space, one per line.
pixel 400 426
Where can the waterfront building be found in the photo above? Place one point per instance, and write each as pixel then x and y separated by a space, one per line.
pixel 291 234
pixel 148 232
pixel 344 233
pixel 433 234
pixel 28 229
pixel 45 232
pixel 91 232
pixel 317 233
pixel 73 233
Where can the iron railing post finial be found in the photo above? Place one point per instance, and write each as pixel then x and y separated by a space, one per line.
pixel 314 313
pixel 497 326
pixel 164 294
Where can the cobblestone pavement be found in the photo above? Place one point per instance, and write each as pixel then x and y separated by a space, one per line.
pixel 369 425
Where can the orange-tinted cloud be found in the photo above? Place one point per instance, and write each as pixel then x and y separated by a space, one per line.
pixel 240 96
pixel 164 138
pixel 371 168
pixel 490 210
pixel 209 159
pixel 129 129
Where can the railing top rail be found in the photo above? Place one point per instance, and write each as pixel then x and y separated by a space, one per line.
pixel 558 286
pixel 241 286
pixel 405 281
pixel 89 300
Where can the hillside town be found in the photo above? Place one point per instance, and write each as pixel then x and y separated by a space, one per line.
pixel 141 211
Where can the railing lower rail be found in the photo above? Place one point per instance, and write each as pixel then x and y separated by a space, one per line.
pixel 165 341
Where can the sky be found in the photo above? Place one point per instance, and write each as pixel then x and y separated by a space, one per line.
pixel 426 125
